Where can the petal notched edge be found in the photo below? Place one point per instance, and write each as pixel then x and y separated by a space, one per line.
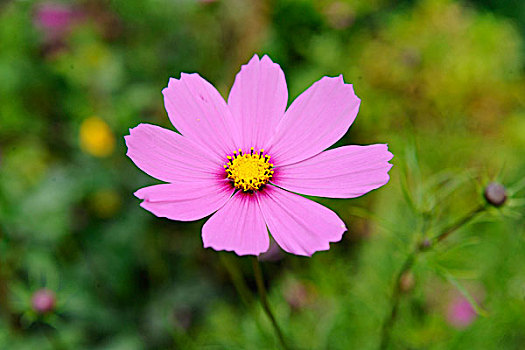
pixel 186 201
pixel 319 117
pixel 169 156
pixel 199 112
pixel 344 172
pixel 300 226
pixel 238 227
pixel 258 100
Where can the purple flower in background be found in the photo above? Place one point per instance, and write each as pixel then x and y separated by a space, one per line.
pixel 460 313
pixel 244 159
pixel 54 19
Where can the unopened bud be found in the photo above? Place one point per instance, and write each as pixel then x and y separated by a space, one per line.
pixel 273 254
pixel 43 301
pixel 406 282
pixel 495 194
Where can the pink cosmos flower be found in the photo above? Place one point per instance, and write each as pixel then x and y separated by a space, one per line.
pixel 244 159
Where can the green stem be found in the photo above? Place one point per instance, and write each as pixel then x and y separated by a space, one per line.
pixel 241 287
pixel 264 300
pixel 386 328
pixel 458 224
pixel 237 280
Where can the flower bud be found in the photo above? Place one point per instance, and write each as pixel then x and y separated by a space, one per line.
pixel 273 254
pixel 495 194
pixel 406 282
pixel 43 301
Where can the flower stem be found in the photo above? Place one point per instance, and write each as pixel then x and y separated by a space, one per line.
pixel 264 301
pixel 241 287
pixel 388 323
pixel 386 328
pixel 237 280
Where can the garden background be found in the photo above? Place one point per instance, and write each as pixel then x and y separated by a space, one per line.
pixel 441 81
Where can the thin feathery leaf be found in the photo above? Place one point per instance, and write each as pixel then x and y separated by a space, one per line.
pixel 472 301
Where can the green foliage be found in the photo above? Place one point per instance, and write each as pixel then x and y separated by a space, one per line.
pixel 441 81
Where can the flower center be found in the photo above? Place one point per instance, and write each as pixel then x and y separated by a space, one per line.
pixel 249 172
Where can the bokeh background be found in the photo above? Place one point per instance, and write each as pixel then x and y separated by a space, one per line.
pixel 82 266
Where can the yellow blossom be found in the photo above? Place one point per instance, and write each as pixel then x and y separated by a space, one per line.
pixel 96 138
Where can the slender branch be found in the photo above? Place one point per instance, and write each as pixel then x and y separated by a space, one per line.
pixel 458 224
pixel 386 328
pixel 264 300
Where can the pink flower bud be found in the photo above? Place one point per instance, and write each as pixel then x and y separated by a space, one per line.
pixel 274 253
pixel 43 301
pixel 407 282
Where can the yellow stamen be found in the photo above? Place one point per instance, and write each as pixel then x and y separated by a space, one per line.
pixel 249 172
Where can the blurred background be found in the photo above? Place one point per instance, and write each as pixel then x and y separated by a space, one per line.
pixel 82 266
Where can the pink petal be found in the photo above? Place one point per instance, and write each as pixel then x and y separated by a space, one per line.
pixel 200 113
pixel 185 201
pixel 344 172
pixel 238 227
pixel 258 100
pixel 168 156
pixel 300 226
pixel 316 120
